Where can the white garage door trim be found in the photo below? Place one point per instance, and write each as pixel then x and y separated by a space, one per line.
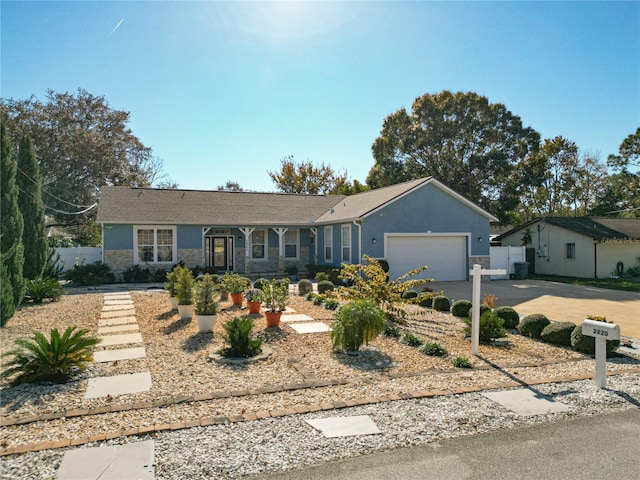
pixel 452 267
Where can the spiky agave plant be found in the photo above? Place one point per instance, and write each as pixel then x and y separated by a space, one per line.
pixel 53 360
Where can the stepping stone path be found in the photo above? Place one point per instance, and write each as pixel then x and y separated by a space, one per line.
pixel 118 317
pixel 302 323
pixel 527 402
pixel 345 426
pixel 134 460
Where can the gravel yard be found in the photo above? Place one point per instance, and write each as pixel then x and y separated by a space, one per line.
pixel 178 359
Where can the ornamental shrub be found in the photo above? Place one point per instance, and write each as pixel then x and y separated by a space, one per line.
pixel 461 308
pixel 558 333
pixel 585 344
pixel 310 296
pixel 357 323
pixel 322 276
pixel 491 327
pixel 319 299
pixel 331 304
pixel 40 288
pixel 509 315
pixel 461 362
pixel 260 283
pixel 304 286
pixel 53 360
pixel 136 274
pixel 411 340
pixel 409 294
pixel 89 274
pixel 325 286
pixel 532 325
pixel 391 331
pixel 433 349
pixel 238 336
pixel 441 303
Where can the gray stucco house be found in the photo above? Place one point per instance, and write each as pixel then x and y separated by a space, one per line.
pixel 420 222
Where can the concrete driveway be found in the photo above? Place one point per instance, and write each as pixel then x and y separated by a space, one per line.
pixel 558 301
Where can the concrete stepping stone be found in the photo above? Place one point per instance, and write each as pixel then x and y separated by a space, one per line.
pixel 116 355
pixel 296 317
pixel 113 308
pixel 288 310
pixel 120 339
pixel 345 426
pixel 527 402
pixel 133 460
pixel 126 327
pixel 116 294
pixel 313 327
pixel 111 303
pixel 118 313
pixel 118 385
pixel 109 322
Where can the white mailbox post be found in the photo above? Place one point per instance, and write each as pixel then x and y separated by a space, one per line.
pixel 602 332
pixel 477 274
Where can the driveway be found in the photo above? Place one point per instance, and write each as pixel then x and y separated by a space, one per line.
pixel 558 301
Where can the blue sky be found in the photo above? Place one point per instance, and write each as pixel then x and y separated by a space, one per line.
pixel 224 90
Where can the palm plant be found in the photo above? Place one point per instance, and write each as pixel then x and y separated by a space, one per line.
pixel 40 288
pixel 238 333
pixel 357 323
pixel 53 360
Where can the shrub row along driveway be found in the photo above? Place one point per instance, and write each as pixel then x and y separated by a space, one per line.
pixel 558 301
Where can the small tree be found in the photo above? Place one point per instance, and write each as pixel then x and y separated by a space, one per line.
pixel 32 209
pixel 369 282
pixel 357 323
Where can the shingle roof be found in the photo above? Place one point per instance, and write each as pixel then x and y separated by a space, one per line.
pixel 593 227
pixel 197 207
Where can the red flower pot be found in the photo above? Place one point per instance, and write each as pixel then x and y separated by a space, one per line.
pixel 254 307
pixel 273 318
pixel 236 298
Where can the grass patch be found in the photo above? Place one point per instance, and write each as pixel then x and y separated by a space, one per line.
pixel 626 284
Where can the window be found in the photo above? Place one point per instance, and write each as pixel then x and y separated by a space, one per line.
pixel 259 245
pixel 346 243
pixel 155 244
pixel 291 244
pixel 328 244
pixel 571 250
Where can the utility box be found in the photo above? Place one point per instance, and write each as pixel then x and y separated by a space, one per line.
pixel 521 270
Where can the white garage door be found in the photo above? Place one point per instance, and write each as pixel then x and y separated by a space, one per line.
pixel 445 256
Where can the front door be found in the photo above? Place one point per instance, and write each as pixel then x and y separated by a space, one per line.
pixel 220 251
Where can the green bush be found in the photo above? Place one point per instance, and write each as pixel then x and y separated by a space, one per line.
pixel 319 299
pixel 322 276
pixel 53 360
pixel 491 327
pixel 441 303
pixel 89 274
pixel 433 349
pixel 585 344
pixel 325 286
pixel 391 331
pixel 425 299
pixel 409 294
pixel 509 315
pixel 461 362
pixel 357 323
pixel 260 283
pixel 304 286
pixel 159 275
pixel 411 340
pixel 532 325
pixel 558 333
pixel 136 274
pixel 384 265
pixel 310 296
pixel 331 304
pixel 40 288
pixel 184 286
pixel 461 308
pixel 238 336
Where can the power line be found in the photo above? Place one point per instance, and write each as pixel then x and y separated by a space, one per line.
pixel 63 212
pixel 51 194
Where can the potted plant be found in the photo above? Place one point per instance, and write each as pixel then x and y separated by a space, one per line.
pixel 236 285
pixel 274 297
pixel 170 286
pixel 253 296
pixel 184 292
pixel 206 306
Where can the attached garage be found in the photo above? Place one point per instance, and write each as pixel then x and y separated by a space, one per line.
pixel 445 255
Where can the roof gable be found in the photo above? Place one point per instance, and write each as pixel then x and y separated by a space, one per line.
pixel 593 227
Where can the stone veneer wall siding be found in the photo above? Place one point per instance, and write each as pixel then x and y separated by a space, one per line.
pixel 191 257
pixel 118 260
pixel 272 263
pixel 483 260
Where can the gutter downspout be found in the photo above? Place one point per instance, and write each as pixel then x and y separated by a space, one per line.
pixel 359 240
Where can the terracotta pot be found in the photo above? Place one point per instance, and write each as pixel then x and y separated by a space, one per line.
pixel 185 311
pixel 236 298
pixel 254 307
pixel 273 318
pixel 206 322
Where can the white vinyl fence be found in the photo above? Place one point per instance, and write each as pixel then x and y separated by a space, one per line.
pixel 505 257
pixel 78 255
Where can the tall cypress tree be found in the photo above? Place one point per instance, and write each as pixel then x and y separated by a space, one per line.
pixel 30 204
pixel 12 225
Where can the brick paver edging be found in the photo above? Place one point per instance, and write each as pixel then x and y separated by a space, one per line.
pixel 300 409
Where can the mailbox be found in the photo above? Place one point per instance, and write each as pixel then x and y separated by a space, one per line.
pixel 608 331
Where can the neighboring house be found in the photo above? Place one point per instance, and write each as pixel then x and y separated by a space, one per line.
pixel 586 247
pixel 421 222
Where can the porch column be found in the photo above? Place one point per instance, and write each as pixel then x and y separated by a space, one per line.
pixel 315 243
pixel 247 244
pixel 280 232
